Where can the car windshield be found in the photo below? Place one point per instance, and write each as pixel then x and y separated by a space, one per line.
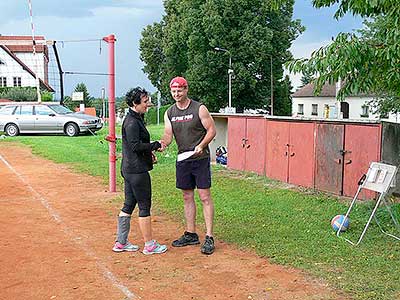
pixel 62 110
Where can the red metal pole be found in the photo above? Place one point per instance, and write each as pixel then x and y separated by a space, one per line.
pixel 111 116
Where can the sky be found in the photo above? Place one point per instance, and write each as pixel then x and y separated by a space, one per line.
pixel 71 23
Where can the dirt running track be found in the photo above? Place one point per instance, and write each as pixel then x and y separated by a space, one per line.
pixel 56 233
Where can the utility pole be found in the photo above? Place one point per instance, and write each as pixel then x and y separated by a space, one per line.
pixel 230 73
pixel 272 88
pixel 158 107
pixel 111 138
pixel 103 111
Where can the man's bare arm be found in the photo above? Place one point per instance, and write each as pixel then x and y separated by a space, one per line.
pixel 209 125
pixel 168 135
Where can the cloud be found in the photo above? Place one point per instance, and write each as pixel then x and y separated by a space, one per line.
pixel 56 21
pixel 18 10
pixel 301 49
pixel 76 19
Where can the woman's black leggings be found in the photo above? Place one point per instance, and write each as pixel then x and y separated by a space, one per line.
pixel 137 190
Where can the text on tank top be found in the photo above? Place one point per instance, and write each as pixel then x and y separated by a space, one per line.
pixel 187 127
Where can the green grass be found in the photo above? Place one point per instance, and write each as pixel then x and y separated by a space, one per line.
pixel 288 226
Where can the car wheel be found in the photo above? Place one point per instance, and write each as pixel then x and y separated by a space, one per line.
pixel 71 129
pixel 12 130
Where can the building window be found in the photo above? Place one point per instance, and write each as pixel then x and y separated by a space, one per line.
pixel 3 81
pixel 314 109
pixel 365 111
pixel 17 81
pixel 300 109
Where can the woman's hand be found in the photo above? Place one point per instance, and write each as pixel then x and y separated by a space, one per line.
pixel 163 146
pixel 153 157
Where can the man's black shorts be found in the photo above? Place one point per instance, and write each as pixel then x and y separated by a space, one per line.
pixel 192 174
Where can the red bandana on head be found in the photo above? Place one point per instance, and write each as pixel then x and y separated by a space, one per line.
pixel 178 82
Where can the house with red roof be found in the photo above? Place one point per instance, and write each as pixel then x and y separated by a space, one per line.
pixel 20 65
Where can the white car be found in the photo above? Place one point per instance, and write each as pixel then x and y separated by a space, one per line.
pixel 45 117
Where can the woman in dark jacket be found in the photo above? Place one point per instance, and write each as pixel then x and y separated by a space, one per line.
pixel 136 163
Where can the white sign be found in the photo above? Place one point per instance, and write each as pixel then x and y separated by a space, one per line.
pixel 230 110
pixel 77 96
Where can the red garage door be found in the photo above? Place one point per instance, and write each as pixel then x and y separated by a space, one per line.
pixel 362 146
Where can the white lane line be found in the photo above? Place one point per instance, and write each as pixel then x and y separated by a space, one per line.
pixel 68 231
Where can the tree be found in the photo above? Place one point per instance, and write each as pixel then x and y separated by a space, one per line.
pixel 87 99
pixel 183 44
pixel 97 103
pixel 387 100
pixel 151 51
pixel 121 105
pixel 367 61
pixel 284 106
pixel 306 78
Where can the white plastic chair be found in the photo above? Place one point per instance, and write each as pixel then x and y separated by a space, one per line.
pixel 379 178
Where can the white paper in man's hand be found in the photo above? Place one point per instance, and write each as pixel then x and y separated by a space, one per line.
pixel 185 155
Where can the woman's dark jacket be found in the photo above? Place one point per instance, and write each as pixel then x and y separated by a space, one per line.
pixel 136 146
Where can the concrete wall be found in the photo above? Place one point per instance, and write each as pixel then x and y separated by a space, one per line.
pixel 221 139
pixel 391 149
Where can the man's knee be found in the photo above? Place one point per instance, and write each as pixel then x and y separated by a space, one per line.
pixel 206 200
pixel 205 196
pixel 188 195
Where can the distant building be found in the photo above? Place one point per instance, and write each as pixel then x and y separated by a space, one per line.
pixel 325 105
pixel 18 64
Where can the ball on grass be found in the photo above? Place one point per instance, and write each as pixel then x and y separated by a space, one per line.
pixel 340 219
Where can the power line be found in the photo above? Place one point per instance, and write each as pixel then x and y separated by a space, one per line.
pixel 84 40
pixel 85 73
pixel 77 41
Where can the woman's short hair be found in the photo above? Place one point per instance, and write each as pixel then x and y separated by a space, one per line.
pixel 134 96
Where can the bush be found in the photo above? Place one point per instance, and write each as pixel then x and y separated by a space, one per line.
pixel 24 94
pixel 151 115
pixel 46 96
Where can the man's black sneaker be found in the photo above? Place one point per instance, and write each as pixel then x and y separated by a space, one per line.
pixel 188 238
pixel 208 245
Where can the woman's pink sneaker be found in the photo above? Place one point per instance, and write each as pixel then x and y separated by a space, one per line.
pixel 154 248
pixel 118 247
